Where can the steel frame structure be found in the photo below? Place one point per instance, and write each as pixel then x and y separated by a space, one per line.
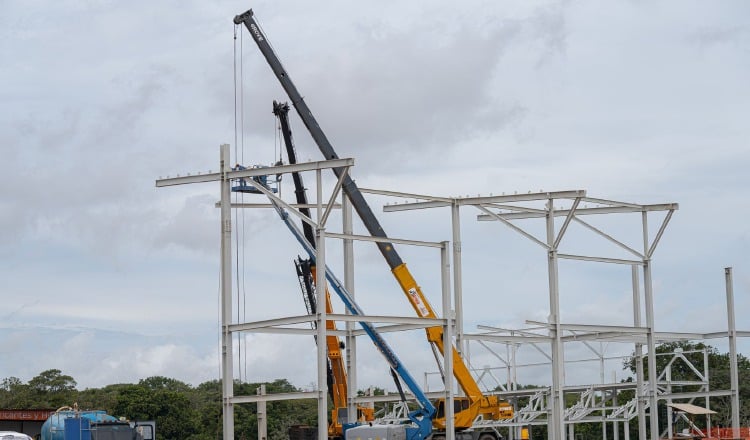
pixel 549 401
pixel 546 405
pixel 292 324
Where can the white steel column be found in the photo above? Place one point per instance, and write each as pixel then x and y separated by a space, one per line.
pixel 653 377
pixel 457 277
pixel 445 276
pixel 227 376
pixel 351 341
pixel 706 373
pixel 615 424
pixel 734 379
pixel 641 400
pixel 321 314
pixel 556 428
pixel 262 414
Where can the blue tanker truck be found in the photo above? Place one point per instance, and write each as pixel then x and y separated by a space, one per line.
pixel 72 424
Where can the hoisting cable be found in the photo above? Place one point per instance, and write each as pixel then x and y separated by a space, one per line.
pixel 239 219
pixel 237 122
pixel 243 340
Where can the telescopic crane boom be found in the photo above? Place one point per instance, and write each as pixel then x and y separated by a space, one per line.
pixel 488 406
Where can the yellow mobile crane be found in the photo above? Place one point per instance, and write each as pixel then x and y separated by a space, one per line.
pixel 475 403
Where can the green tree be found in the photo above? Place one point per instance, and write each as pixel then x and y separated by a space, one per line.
pixel 165 383
pixel 152 399
pixel 206 399
pixel 718 374
pixel 52 389
pixel 14 394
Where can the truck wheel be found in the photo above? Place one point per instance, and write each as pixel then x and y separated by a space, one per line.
pixel 487 436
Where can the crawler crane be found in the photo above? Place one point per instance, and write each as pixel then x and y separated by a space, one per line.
pixel 337 381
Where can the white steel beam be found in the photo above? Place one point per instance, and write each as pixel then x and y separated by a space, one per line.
pixel 275 396
pixel 506 339
pixel 385 240
pixel 255 172
pixel 227 347
pixel 650 339
pixel 598 259
pixel 405 195
pixel 515 228
pixel 556 430
pixel 733 375
pixel 321 312
pixel 351 339
pixel 609 237
pixel 664 223
pixel 291 205
pixel 565 224
pixel 433 202
pixel 582 211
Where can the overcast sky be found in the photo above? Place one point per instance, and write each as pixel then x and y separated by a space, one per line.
pixel 112 280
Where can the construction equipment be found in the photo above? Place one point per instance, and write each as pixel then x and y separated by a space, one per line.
pixel 422 417
pixel 70 423
pixel 337 382
pixel 475 403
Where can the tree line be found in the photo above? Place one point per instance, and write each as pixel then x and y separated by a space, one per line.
pixel 181 411
pixel 187 412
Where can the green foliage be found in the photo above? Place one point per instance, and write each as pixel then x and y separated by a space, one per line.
pixel 376 391
pixel 718 373
pixel 52 389
pixel 180 410
pixel 184 412
pixel 14 394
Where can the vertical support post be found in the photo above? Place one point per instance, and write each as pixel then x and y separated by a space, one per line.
pixel 351 341
pixel 706 378
pixel 227 376
pixel 457 278
pixel 641 400
pixel 557 428
pixel 668 376
pixel 732 334
pixel 445 267
pixel 615 424
pixel 514 433
pixel 262 414
pixel 604 393
pixel 320 283
pixel 652 373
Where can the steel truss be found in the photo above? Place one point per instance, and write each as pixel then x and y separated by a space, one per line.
pixel 544 406
pixel 295 324
pixel 594 402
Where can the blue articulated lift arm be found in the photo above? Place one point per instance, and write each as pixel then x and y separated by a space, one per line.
pixel 423 416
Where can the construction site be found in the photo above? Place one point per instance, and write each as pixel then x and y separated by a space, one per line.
pixel 487 402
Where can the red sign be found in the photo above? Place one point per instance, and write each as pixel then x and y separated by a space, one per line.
pixel 25 414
